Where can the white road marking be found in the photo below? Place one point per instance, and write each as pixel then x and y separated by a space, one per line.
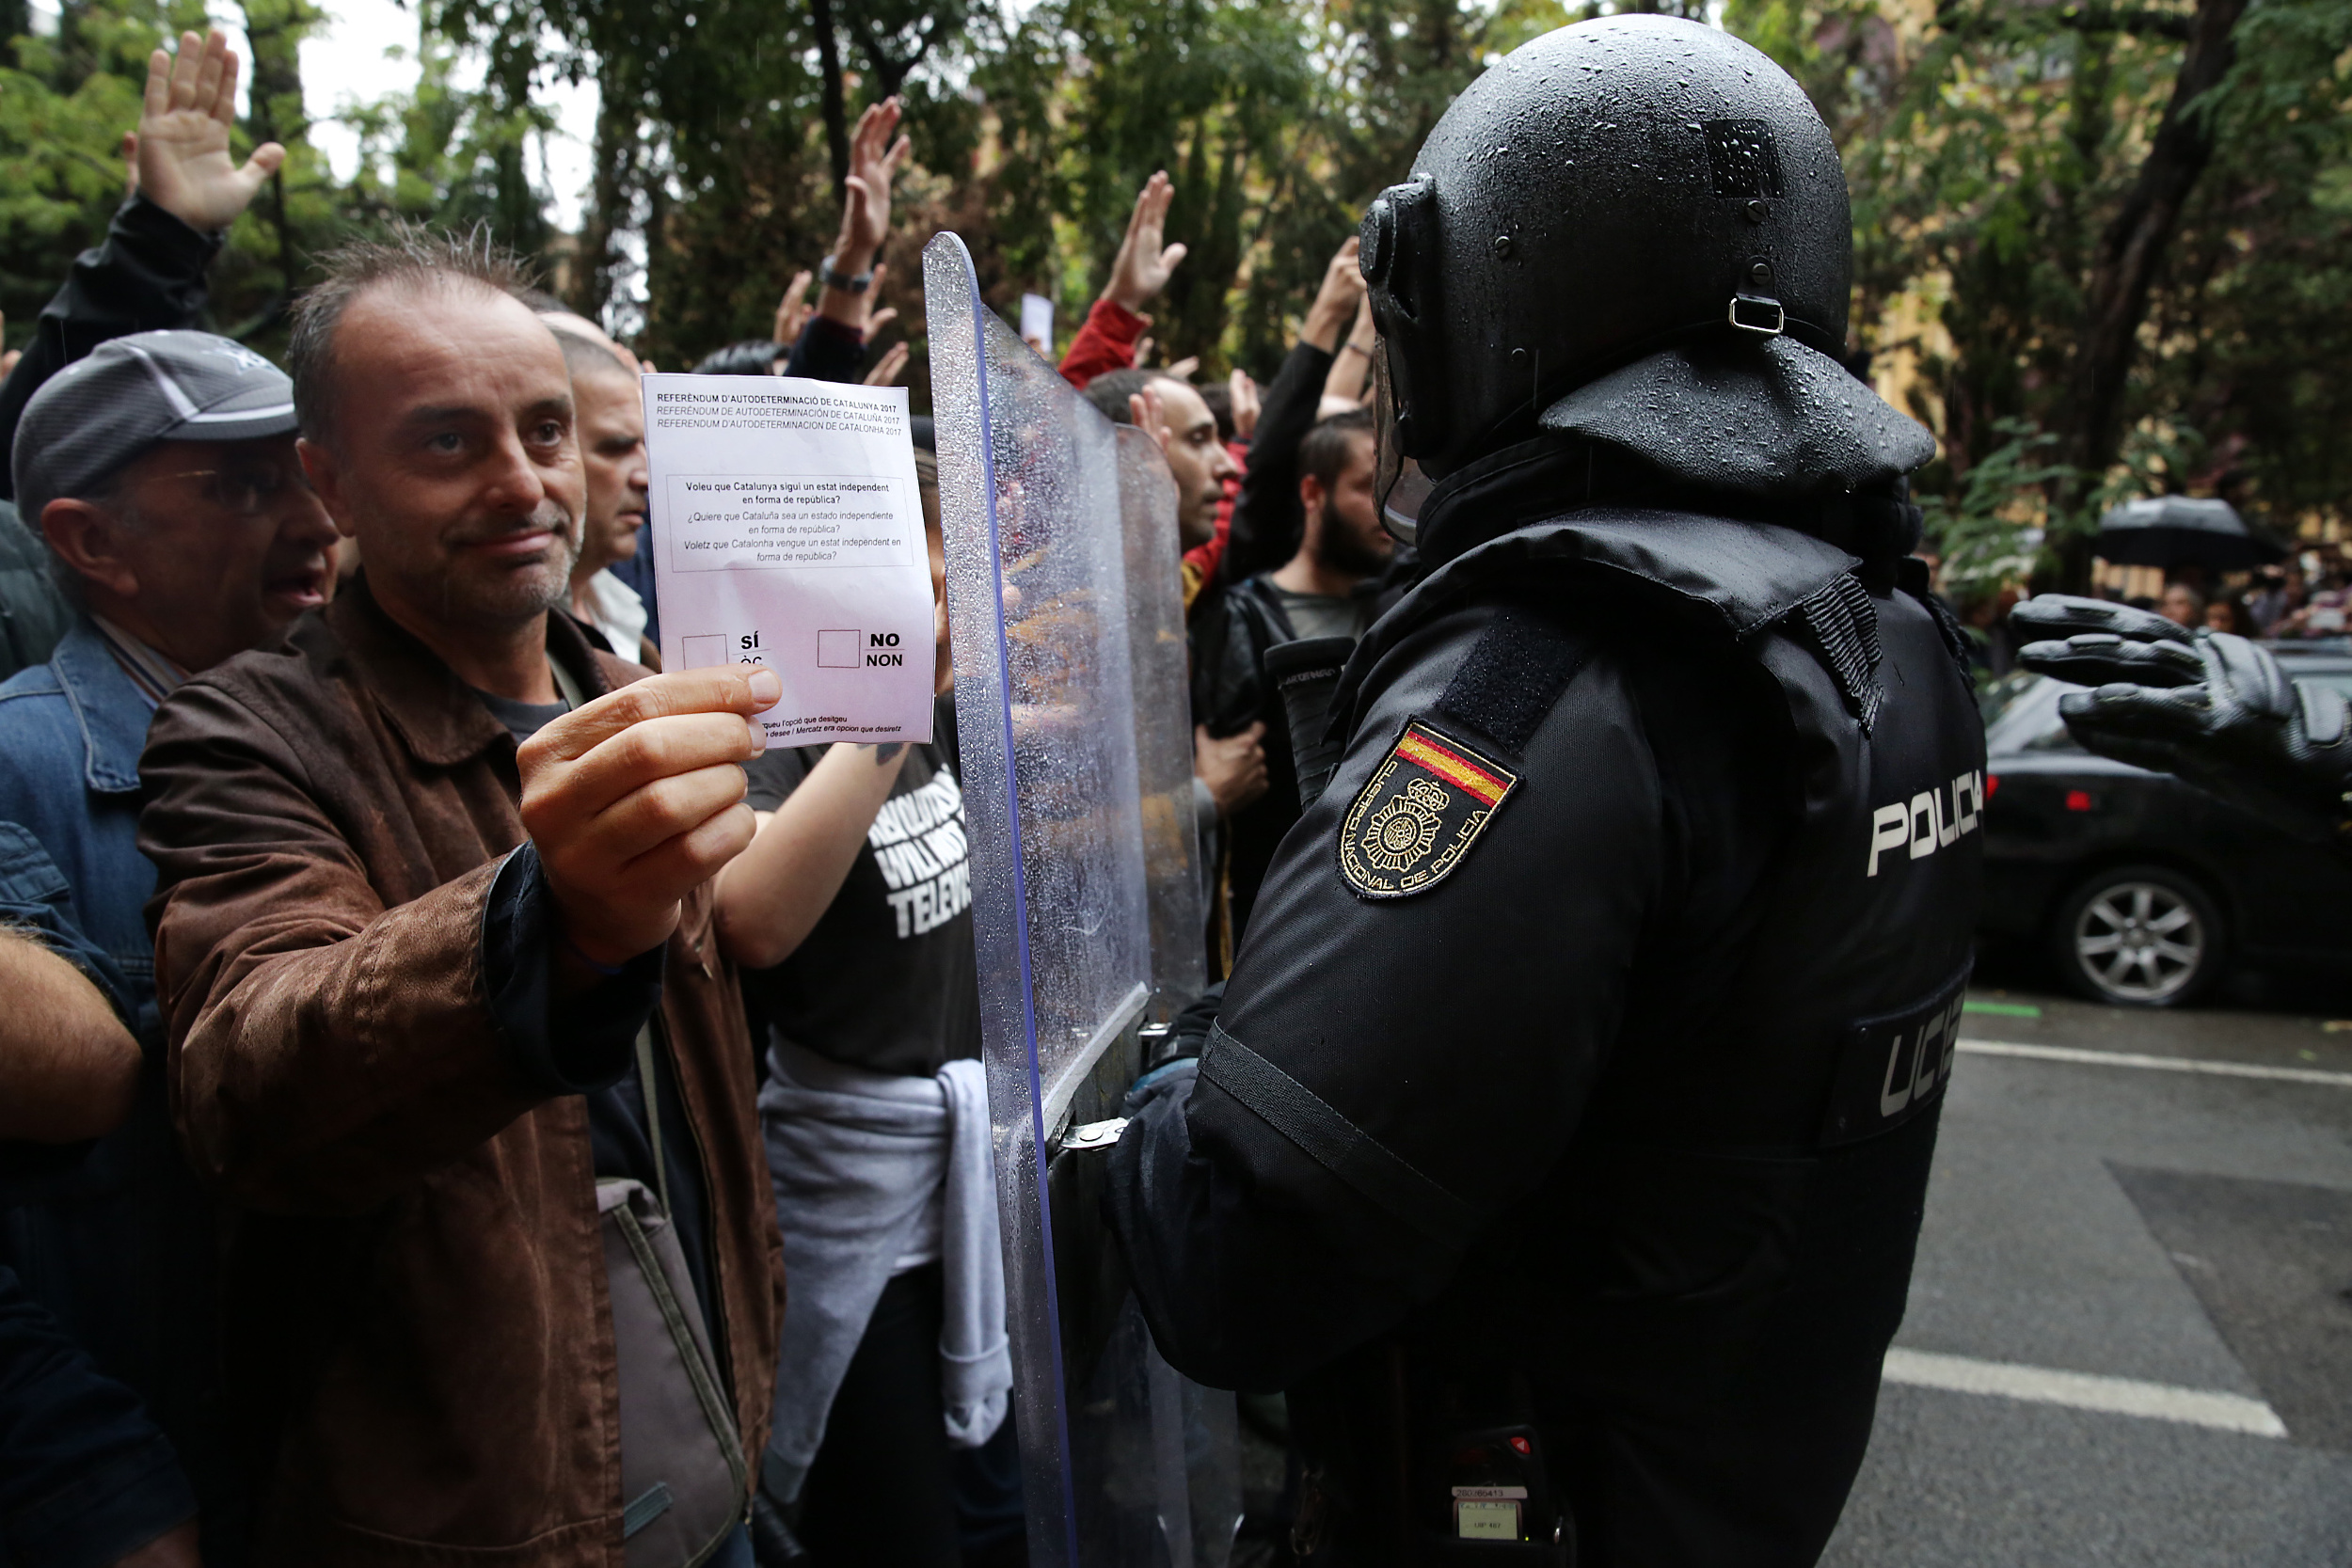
pixel 2119 1396
pixel 2157 1064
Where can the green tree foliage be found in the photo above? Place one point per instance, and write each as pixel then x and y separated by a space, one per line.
pixel 2012 165
pixel 65 102
pixel 445 153
pixel 2101 248
pixel 1214 93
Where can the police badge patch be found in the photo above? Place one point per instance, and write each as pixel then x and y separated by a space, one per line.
pixel 1417 818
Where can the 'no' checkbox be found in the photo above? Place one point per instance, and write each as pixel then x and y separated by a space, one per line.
pixel 839 650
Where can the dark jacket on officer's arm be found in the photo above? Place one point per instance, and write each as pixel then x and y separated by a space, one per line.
pixel 1425 1021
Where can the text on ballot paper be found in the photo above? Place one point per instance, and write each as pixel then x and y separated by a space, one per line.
pixel 788 533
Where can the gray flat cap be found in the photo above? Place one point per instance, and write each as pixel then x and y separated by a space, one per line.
pixel 103 410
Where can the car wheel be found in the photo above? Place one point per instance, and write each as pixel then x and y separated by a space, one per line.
pixel 2139 935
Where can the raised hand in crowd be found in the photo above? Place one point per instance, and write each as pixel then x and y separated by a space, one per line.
pixel 1150 414
pixel 7 357
pixel 793 309
pixel 891 366
pixel 1144 264
pixel 1337 300
pixel 636 798
pixel 179 157
pixel 849 272
pixel 1243 393
pixel 1267 524
pixel 888 313
pixel 1113 338
pixel 1185 369
pixel 1350 380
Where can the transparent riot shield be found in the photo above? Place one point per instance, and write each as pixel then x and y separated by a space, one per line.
pixel 1067 620
pixel 1175 889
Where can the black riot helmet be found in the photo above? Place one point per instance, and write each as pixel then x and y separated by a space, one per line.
pixel 1608 190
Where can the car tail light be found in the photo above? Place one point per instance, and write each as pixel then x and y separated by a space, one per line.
pixel 2079 799
pixel 1992 785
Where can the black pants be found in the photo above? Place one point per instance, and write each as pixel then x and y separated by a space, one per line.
pixel 881 1489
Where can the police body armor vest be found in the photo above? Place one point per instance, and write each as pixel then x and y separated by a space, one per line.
pixel 1691 1315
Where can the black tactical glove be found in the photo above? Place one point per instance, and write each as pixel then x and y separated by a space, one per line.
pixel 773 1545
pixel 2213 708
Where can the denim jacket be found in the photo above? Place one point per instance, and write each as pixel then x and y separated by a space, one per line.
pixel 71 731
pixel 85 1477
pixel 117 1246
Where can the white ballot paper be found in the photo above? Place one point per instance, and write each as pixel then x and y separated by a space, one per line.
pixel 787 533
pixel 1037 322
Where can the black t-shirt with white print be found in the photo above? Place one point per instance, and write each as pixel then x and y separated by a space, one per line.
pixel 887 979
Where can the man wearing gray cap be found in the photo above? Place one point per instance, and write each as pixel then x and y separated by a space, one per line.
pixel 186 189
pixel 161 472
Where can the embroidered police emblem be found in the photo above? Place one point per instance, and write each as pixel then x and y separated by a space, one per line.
pixel 1417 818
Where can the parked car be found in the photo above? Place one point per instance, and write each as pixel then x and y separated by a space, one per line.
pixel 2143 890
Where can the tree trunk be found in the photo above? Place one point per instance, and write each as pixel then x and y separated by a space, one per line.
pixel 836 109
pixel 890 73
pixel 2125 264
pixel 16 19
pixel 613 200
pixel 274 30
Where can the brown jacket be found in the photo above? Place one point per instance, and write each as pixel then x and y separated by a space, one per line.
pixel 419 1325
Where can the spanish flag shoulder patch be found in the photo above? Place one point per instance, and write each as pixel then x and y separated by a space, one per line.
pixel 1419 815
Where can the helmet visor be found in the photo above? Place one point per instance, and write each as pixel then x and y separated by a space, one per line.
pixel 1399 487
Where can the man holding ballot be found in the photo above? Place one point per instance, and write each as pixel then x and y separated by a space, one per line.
pixel 448 1014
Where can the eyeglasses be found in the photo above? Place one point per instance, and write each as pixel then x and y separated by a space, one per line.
pixel 247 488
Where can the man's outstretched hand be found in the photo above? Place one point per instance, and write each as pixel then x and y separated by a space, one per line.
pixel 633 799
pixel 1148 415
pixel 874 159
pixel 1144 264
pixel 1243 393
pixel 793 309
pixel 2213 708
pixel 1336 299
pixel 180 160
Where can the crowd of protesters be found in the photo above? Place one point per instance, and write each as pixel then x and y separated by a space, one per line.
pixel 2309 595
pixel 2302 598
pixel 436 1034
pixel 2306 597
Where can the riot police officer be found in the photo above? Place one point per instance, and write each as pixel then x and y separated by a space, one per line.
pixel 1561 1145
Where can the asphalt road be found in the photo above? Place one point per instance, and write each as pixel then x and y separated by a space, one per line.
pixel 2130 1331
